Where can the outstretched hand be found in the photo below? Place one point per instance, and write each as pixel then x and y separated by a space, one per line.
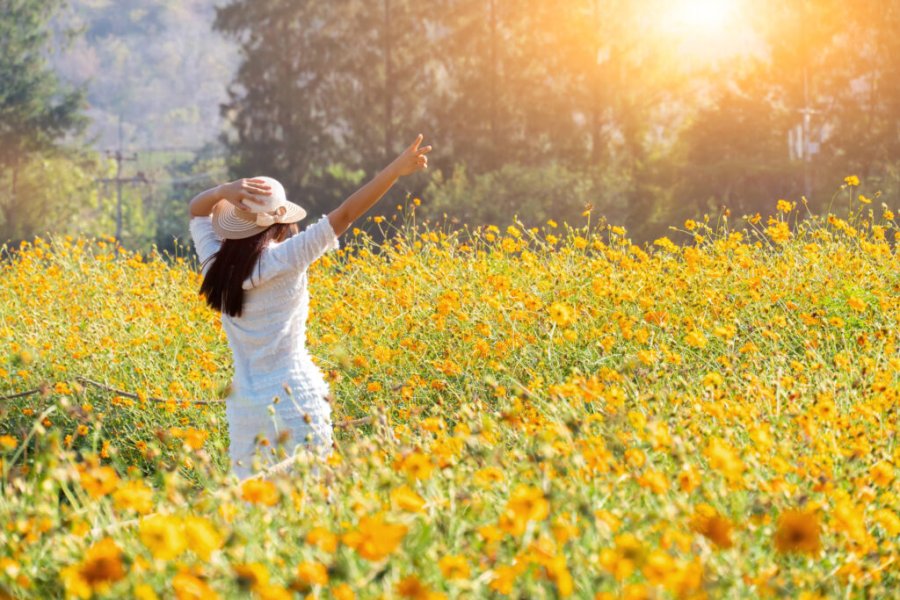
pixel 412 159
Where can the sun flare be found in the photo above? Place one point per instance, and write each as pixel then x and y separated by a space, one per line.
pixel 703 15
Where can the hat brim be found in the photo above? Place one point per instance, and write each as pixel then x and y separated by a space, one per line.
pixel 229 226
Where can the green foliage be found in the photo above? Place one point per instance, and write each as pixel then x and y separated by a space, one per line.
pixel 535 194
pixel 38 176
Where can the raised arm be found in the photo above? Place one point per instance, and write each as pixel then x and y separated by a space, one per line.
pixel 411 160
pixel 235 192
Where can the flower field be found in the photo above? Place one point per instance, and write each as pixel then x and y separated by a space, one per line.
pixel 530 413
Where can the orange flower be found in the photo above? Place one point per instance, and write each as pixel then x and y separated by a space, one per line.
pixel 259 491
pixel 454 566
pixel 411 587
pixel 405 498
pixel 102 565
pixel 323 538
pixel 99 481
pixel 163 535
pixel 312 573
pixel 374 539
pixel 798 531
pixel 134 495
pixel 417 466
pixel 882 473
pixel 709 523
pixel 190 587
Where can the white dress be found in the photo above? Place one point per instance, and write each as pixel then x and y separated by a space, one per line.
pixel 268 344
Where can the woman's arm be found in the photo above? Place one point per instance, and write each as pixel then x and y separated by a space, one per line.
pixel 411 160
pixel 235 192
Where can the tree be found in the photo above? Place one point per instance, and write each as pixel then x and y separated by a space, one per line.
pixel 36 110
pixel 324 90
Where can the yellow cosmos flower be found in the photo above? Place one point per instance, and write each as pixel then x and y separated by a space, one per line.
pixel 163 535
pixel 260 491
pixel 798 531
pixel 101 566
pixel 312 573
pixel 134 495
pixel 375 539
pixel 203 537
pixel 454 566
pixel 323 538
pixel 188 586
pixel 709 523
pixel 405 498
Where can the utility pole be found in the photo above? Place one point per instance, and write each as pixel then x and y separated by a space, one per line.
pixel 388 84
pixel 119 156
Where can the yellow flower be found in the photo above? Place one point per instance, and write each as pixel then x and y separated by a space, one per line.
pixel 526 503
pixel 251 575
pixel 190 587
pixel 504 577
pixel 454 566
pixel 163 535
pixel 312 573
pixel 724 459
pixel 622 560
pixel 259 491
pixel 202 537
pixel 98 481
pixel 695 339
pixel 798 531
pixel 416 466
pixel 882 473
pixel 785 206
pixel 851 180
pixel 411 587
pixel 134 495
pixel 780 232
pixel 889 520
pixel 856 304
pixel 405 498
pixel 561 314
pixel 343 591
pixel 373 538
pixel 487 476
pixel 323 538
pixel 101 566
pixel 707 522
pixel 8 442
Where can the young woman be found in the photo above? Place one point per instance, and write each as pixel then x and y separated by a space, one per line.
pixel 254 262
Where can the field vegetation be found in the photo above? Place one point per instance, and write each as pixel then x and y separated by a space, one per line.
pixel 552 412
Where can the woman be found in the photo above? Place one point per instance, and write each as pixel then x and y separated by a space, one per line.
pixel 254 265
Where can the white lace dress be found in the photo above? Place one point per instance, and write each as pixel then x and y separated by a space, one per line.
pixel 268 344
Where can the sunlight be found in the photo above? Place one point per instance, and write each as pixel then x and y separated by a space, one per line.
pixel 703 15
pixel 707 31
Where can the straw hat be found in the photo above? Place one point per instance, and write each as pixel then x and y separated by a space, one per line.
pixel 233 223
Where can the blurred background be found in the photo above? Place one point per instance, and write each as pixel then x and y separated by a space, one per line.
pixel 113 113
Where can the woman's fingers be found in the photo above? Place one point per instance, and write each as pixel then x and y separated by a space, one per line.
pixel 245 196
pixel 258 189
pixel 423 151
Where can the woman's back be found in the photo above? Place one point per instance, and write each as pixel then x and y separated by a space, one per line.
pixel 268 339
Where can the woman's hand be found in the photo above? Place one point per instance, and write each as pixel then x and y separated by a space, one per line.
pixel 412 159
pixel 240 190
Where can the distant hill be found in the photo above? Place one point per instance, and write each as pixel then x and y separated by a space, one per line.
pixel 156 62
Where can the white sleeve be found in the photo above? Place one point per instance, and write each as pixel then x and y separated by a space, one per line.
pixel 206 242
pixel 301 250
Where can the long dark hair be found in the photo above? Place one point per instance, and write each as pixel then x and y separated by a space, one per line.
pixel 223 284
